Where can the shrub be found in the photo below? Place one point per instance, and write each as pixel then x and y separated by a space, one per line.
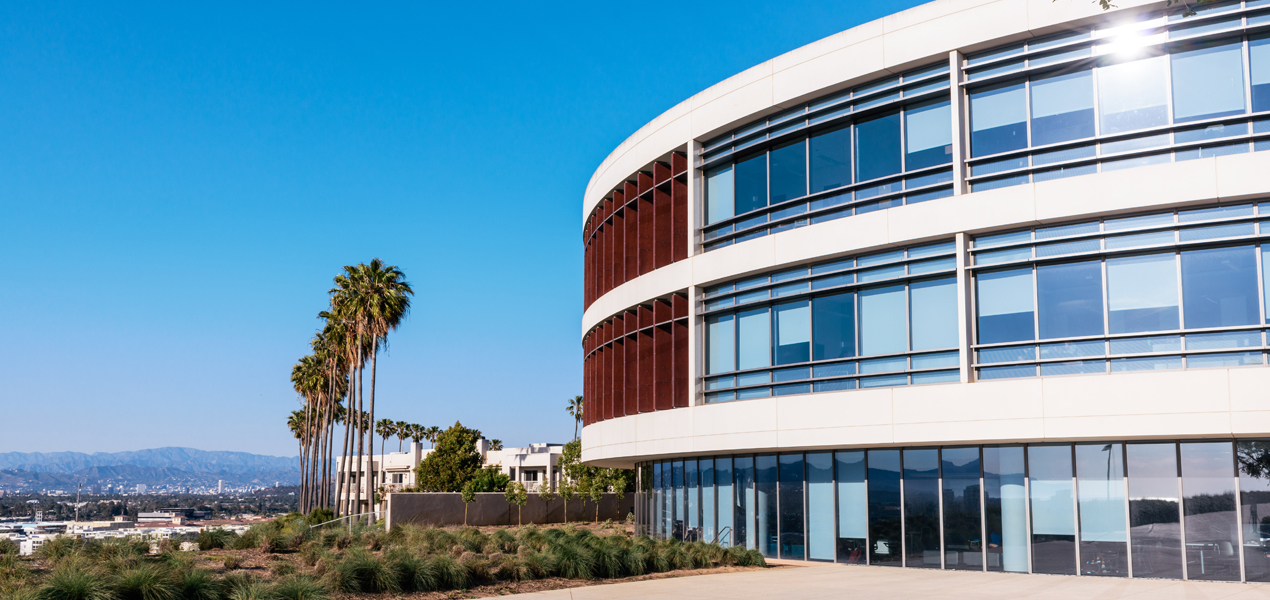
pixel 299 587
pixel 320 515
pixel 362 572
pixel 252 589
pixel 406 566
pixel 75 580
pixel 19 593
pixel 214 538
pixel 145 582
pixel 477 569
pixel 532 565
pixel 271 542
pixel 8 547
pixel 311 553
pixel 198 585
pixel 58 548
pixel 449 573
pixel 232 562
pixel 607 560
pixel 281 568
pixel 572 561
pixel 472 539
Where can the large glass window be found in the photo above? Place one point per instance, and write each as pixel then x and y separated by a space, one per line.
pixel 754 335
pixel 928 134
pixel 743 509
pixel 1219 287
pixel 1133 95
pixel 933 306
pixel 998 119
pixel 833 318
pixel 921 508
pixel 1155 532
pixel 765 478
pixel 721 343
pixel 963 537
pixel 1254 499
pixel 831 160
pixel 725 501
pixel 1142 293
pixel 789 171
pixel 1069 299
pixel 693 501
pixel 720 194
pixel 1062 107
pixel 1005 509
pixel 1053 521
pixel 792 540
pixel 1265 278
pixel 793 332
pixel 677 520
pixel 751 183
pixel 1005 306
pixel 709 532
pixel 883 326
pixel 853 499
pixel 884 508
pixel 659 525
pixel 1208 502
pixel 1100 493
pixel 878 147
pixel 820 531
pixel 1208 82
pixel 1259 59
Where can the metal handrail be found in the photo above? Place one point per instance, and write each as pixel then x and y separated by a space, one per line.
pixel 377 512
pixel 718 536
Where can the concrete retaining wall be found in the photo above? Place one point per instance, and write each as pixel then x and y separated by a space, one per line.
pixel 441 509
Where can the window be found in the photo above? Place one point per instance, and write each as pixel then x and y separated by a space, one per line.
pixel 1062 108
pixel 751 184
pixel 744 511
pixel 1208 81
pixel 793 332
pixel 928 134
pixel 720 195
pixel 1155 548
pixel 1142 293
pixel 883 329
pixel 723 487
pixel 1219 287
pixel 1133 95
pixel 1005 306
pixel 1005 509
pixel 834 320
pixel 831 160
pixel 998 119
pixel 934 314
pixel 1208 501
pixel 1254 494
pixel 1069 299
pixel 884 508
pixel 962 547
pixel 708 530
pixel 792 540
pixel 765 477
pixel 820 514
pixel 878 147
pixel 853 499
pixel 721 343
pixel 1259 57
pixel 1053 522
pixel 921 508
pixel 754 339
pixel 789 172
pixel 1100 485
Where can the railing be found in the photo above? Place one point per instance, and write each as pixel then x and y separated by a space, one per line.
pixel 377 512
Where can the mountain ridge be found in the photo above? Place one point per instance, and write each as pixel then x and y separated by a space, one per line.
pixel 168 466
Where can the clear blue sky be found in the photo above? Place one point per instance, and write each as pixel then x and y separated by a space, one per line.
pixel 180 183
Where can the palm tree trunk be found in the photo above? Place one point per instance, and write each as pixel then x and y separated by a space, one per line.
pixel 361 440
pixel 374 358
pixel 344 490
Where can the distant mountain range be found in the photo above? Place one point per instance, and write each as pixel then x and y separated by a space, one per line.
pixel 157 468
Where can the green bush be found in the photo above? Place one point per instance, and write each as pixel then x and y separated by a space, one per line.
pixel 145 582
pixel 58 548
pixel 232 562
pixel 214 538
pixel 8 547
pixel 299 587
pixel 449 573
pixel 198 585
pixel 76 580
pixel 361 571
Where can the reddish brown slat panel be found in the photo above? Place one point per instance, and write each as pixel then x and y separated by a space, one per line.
pixel 646 371
pixel 630 190
pixel 679 306
pixel 632 240
pixel 680 335
pixel 661 172
pixel 664 378
pixel 646 226
pixel 664 228
pixel 589 399
pixel 661 311
pixel 619 249
pixel 645 180
pixel 645 315
pixel 632 372
pixel 679 220
pixel 615 378
pixel 678 163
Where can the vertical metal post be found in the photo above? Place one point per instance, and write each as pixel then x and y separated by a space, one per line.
pixel 903 528
pixel 1128 524
pixel 1027 506
pixel 965 309
pixel 939 468
pixel 1075 503
pixel 1239 509
pixel 1181 509
pixel 983 515
pixel 959 119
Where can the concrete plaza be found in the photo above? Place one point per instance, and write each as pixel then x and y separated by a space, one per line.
pixel 837 581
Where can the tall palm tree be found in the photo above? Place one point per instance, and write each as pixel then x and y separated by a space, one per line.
pixel 433 433
pixel 575 410
pixel 386 428
pixel 402 430
pixel 417 432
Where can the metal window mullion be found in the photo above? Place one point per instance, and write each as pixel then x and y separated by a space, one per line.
pixel 1106 313
pixel 806 513
pixel 1124 483
pixel 1181 509
pixel 1075 508
pixel 1239 509
pixel 833 483
pixel 1181 301
pixel 1246 48
pixel 983 517
pixel 939 497
pixel 903 514
pixel 1036 315
pixel 868 531
pixel 1027 509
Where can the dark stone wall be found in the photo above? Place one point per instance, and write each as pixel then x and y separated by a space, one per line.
pixel 442 509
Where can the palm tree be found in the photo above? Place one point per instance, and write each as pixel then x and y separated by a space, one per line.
pixel 575 410
pixel 496 445
pixel 433 433
pixel 402 430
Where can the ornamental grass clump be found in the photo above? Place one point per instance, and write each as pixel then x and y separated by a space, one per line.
pixel 450 574
pixel 361 571
pixel 76 580
pixel 214 538
pixel 299 587
pixel 145 581
pixel 198 584
pixel 571 561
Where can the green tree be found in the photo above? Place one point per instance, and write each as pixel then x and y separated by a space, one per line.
pixel 431 434
pixel 547 496
pixel 567 491
pixel 517 494
pixel 469 496
pixel 386 428
pixel 496 445
pixel 491 478
pixel 574 409
pixel 401 429
pixel 452 463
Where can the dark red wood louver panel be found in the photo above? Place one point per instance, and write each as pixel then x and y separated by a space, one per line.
pixel 637 361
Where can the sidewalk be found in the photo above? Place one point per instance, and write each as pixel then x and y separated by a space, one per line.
pixel 839 581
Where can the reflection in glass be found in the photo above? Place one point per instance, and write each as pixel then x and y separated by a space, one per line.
pixel 743 509
pixel 1005 509
pixel 751 183
pixel 833 320
pixel 921 508
pixel 884 508
pixel 1208 502
pixel 693 531
pixel 1208 82
pixel 998 119
pixel 1155 527
pixel 1254 497
pixel 719 194
pixel 720 344
pixel 1142 293
pixel 659 529
pixel 927 134
pixel 793 332
pixel 1005 306
pixel 1062 107
pixel 765 473
pixel 820 535
pixel 1219 287
pixel 676 499
pixel 934 313
pixel 963 538
pixel 789 172
pixel 853 499
pixel 1069 299
pixel 1053 523
pixel 708 529
pixel 792 541
pixel 878 147
pixel 1259 57
pixel 1133 95
pixel 754 333
pixel 725 502
pixel 883 323
pixel 831 160
pixel 1100 497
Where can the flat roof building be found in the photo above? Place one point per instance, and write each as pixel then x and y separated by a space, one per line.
pixel 979 285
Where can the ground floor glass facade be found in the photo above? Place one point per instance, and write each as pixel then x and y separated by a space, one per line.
pixel 1195 510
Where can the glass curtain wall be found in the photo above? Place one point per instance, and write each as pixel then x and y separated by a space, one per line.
pixel 1155 518
pixel 963 534
pixel 921 509
pixel 853 507
pixel 1254 499
pixel 692 502
pixel 724 500
pixel 1053 519
pixel 885 533
pixel 766 507
pixel 1100 485
pixel 1005 508
pixel 820 506
pixel 793 541
pixel 1208 505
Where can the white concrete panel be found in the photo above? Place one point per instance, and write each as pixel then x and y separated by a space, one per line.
pixel 1250 423
pixel 742 416
pixel 732 109
pixel 1192 425
pixel 1242 175
pixel 671 278
pixel 734 260
pixel 829 45
pixel 968 212
pixel 837 437
pixel 960 402
pixel 832 237
pixel 849 63
pixel 1001 430
pixel 1249 389
pixel 836 409
pixel 1047 16
pixel 910 39
pixel 754 441
pixel 1198 391
pixel 1126 189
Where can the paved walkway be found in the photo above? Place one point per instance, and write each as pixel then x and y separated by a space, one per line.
pixel 839 581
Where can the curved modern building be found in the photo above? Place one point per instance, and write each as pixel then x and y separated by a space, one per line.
pixel 980 285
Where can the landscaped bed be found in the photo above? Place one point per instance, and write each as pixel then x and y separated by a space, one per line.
pixel 285 560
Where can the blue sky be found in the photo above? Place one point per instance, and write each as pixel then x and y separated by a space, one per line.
pixel 180 183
